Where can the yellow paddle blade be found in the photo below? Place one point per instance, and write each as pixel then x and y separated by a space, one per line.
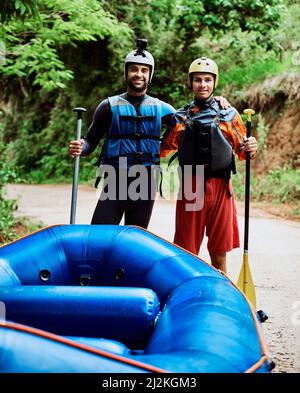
pixel 245 282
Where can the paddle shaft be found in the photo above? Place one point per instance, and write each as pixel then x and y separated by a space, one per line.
pixel 76 167
pixel 247 192
pixel 245 282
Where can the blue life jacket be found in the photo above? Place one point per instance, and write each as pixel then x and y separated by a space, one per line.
pixel 134 134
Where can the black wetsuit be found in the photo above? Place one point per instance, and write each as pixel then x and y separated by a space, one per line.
pixel 136 212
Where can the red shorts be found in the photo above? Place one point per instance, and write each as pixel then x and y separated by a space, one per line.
pixel 218 216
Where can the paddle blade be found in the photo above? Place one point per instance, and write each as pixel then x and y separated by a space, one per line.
pixel 245 282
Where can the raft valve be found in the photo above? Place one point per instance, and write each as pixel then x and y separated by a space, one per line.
pixel 45 275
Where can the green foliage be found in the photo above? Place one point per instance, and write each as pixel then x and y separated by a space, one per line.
pixel 278 186
pixel 289 32
pixel 41 61
pixel 238 180
pixel 33 47
pixel 7 173
pixel 10 227
pixel 223 15
pixel 281 185
pixel 7 220
pixel 238 77
pixel 170 181
pixel 17 8
pixel 262 131
pixel 64 54
pixel 7 206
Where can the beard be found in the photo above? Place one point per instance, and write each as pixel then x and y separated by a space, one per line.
pixel 135 88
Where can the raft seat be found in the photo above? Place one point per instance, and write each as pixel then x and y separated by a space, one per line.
pixel 124 314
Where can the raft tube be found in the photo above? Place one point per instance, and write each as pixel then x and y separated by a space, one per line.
pixel 84 298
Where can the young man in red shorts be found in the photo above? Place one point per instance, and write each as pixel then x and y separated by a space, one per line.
pixel 206 136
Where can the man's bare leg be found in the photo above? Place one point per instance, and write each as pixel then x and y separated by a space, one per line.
pixel 219 261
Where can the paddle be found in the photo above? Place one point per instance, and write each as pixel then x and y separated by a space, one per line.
pixel 245 282
pixel 76 166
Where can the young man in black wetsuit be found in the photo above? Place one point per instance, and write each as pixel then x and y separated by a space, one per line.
pixel 131 125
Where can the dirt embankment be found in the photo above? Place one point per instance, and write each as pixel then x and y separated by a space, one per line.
pixel 277 104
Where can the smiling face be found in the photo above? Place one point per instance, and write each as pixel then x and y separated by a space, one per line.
pixel 203 85
pixel 137 78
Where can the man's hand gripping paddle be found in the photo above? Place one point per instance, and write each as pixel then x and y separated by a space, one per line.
pixel 76 166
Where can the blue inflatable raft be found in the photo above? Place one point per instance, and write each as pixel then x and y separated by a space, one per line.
pixel 82 298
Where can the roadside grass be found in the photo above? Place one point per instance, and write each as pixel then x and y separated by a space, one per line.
pixel 279 186
pixel 10 226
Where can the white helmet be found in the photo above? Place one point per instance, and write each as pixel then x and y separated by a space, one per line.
pixel 140 56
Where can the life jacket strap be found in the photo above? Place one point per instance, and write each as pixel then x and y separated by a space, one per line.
pixel 136 136
pixel 139 154
pixel 174 156
pixel 160 185
pixel 97 181
pixel 136 119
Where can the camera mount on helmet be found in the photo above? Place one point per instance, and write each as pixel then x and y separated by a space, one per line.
pixel 141 44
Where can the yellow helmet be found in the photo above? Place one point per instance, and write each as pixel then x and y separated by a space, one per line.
pixel 204 64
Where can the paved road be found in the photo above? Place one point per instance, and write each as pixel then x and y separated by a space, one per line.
pixel 274 256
